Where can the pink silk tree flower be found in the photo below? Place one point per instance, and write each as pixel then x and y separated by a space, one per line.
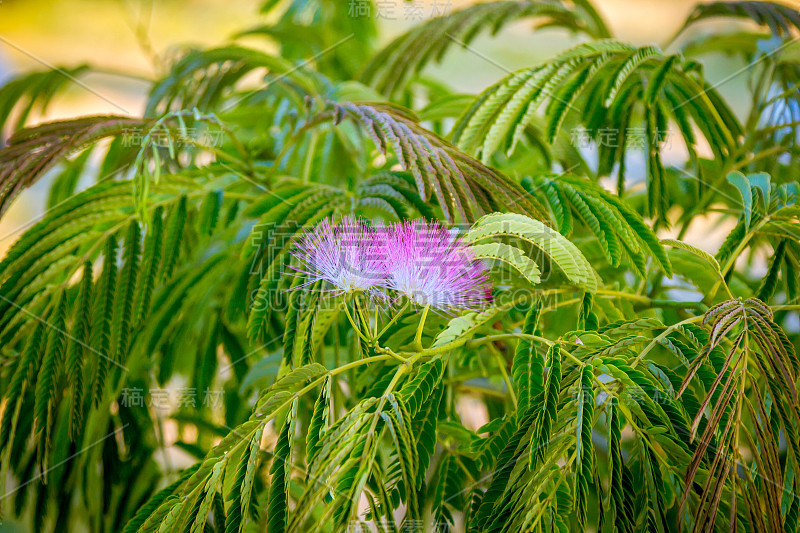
pixel 346 255
pixel 432 267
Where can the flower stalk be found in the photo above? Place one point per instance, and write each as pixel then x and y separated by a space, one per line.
pixel 418 336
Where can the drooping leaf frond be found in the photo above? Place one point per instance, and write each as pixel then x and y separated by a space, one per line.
pixel 781 19
pixel 408 54
pixel 618 95
pixel 218 70
pixel 31 152
pixel 620 231
pixel 464 188
pixel 32 93
pixel 552 244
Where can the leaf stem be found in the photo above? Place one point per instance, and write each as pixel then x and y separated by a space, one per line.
pixel 626 295
pixel 353 324
pixel 501 363
pixel 361 310
pixel 418 336
pixel 387 351
pixel 391 322
pixel 663 334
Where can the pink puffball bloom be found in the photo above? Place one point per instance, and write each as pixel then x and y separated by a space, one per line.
pixel 433 268
pixel 346 255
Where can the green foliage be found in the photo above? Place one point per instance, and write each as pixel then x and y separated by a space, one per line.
pixel 552 244
pixel 609 86
pixel 280 472
pixel 34 92
pixel 627 377
pixel 780 18
pixel 619 230
pixel 463 187
pixel 32 151
pixel 408 54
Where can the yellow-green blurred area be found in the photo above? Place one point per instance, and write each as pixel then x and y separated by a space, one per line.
pixel 140 37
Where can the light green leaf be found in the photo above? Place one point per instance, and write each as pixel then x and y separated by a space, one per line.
pixel 738 180
pixel 557 247
pixel 514 257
